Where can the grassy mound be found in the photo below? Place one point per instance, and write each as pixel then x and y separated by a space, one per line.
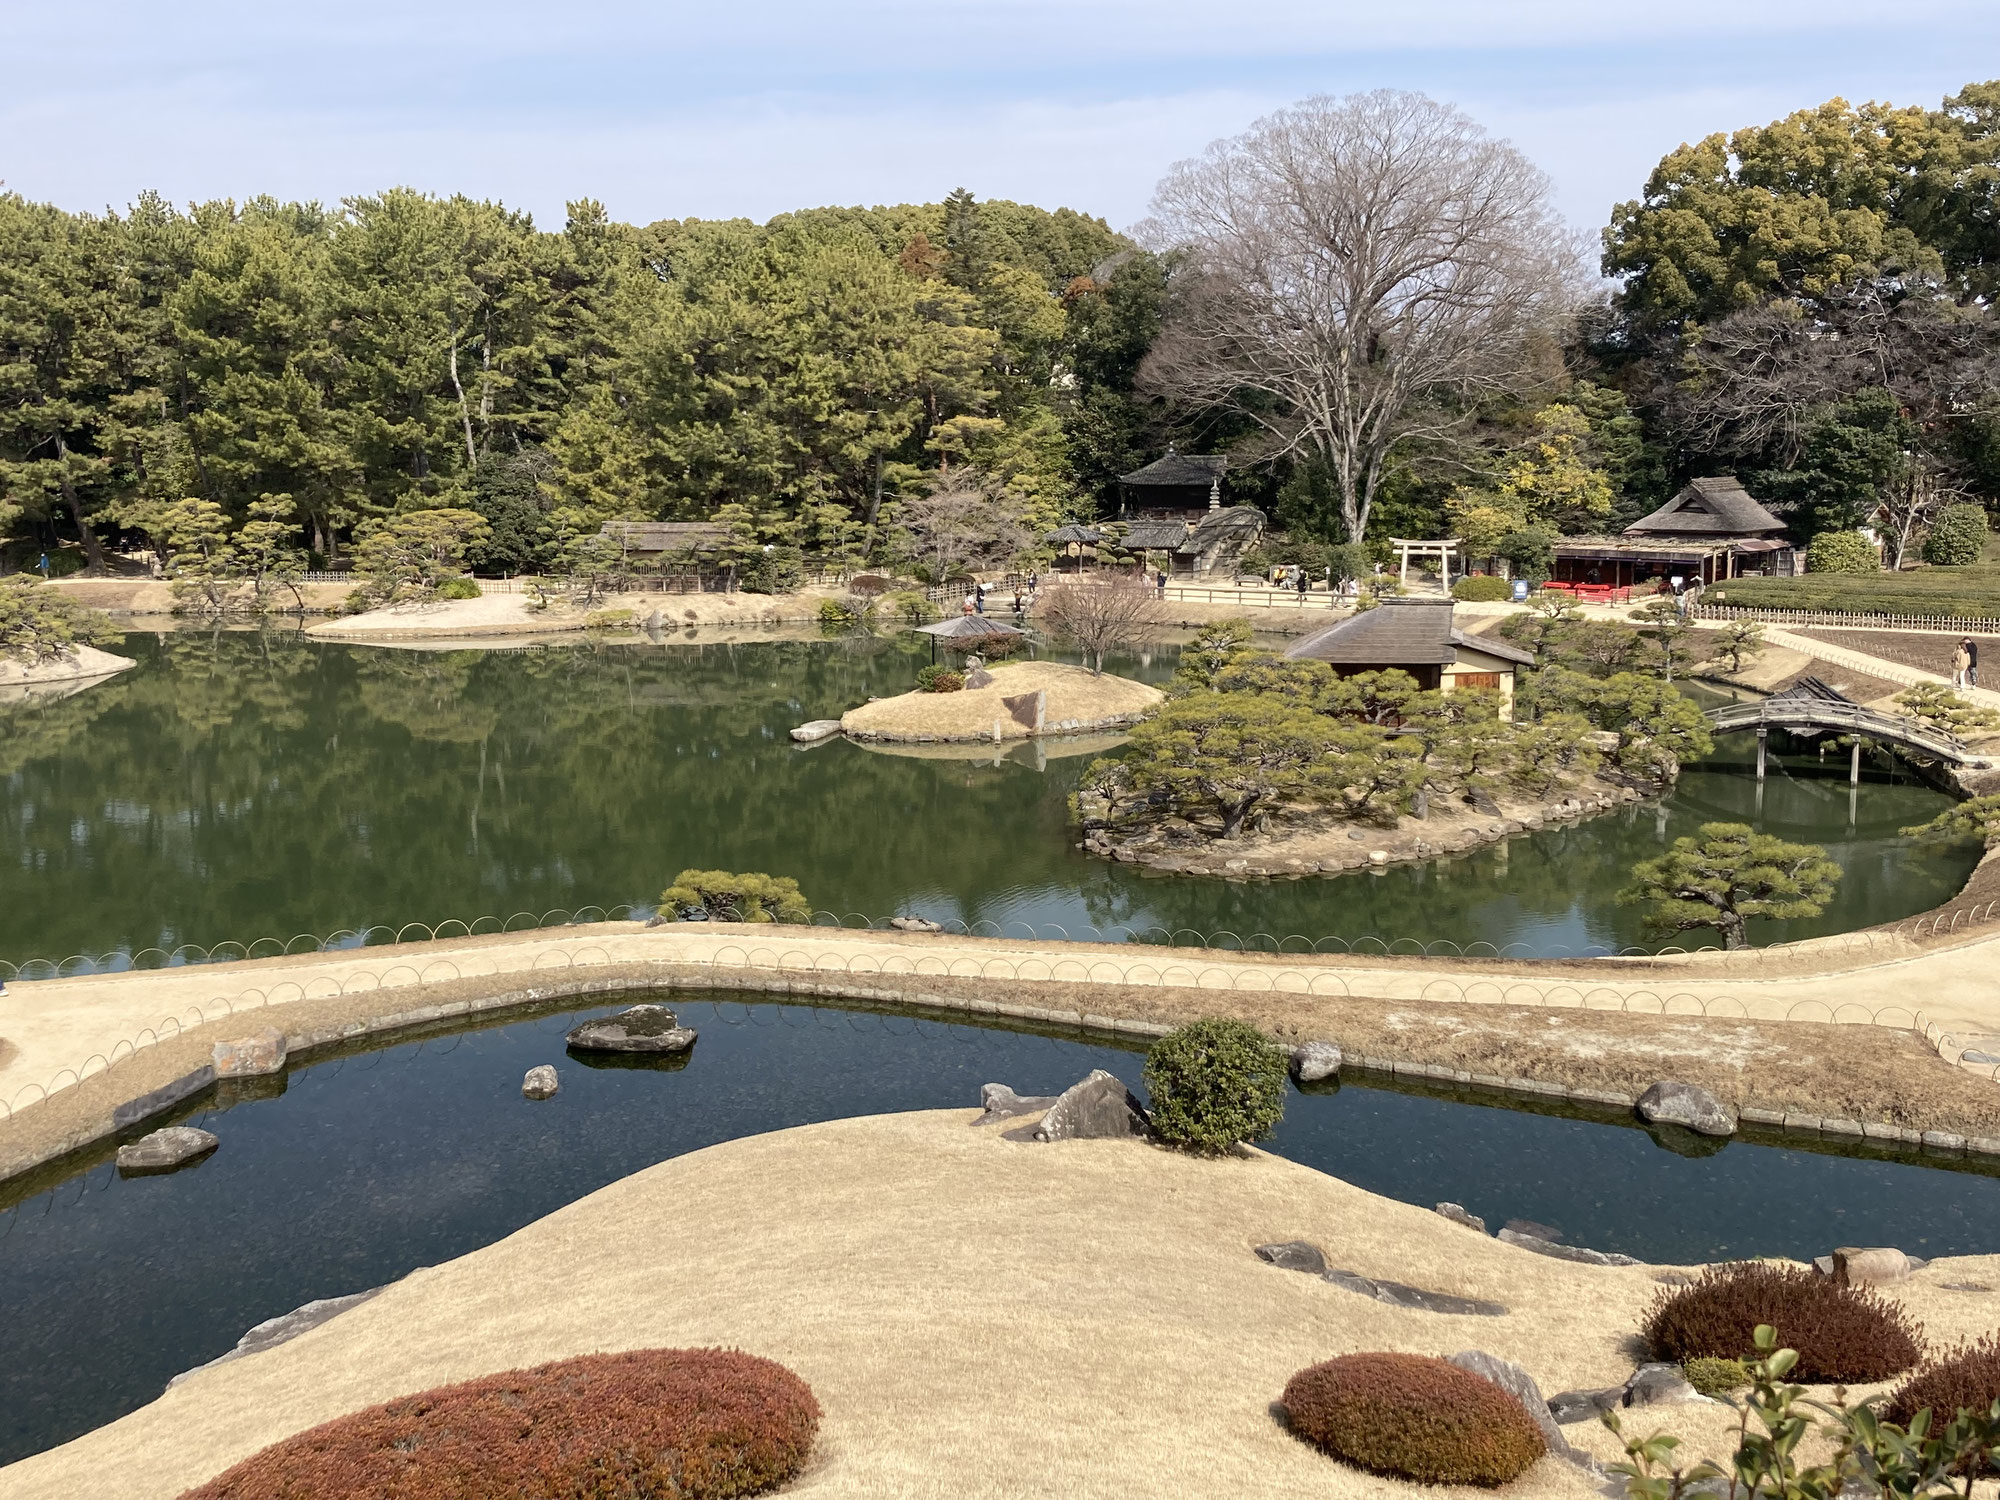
pixel 1843 1334
pixel 1413 1417
pixel 690 1424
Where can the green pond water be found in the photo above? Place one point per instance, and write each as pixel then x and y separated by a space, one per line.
pixel 235 786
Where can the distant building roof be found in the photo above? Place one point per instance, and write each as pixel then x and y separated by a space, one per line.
pixel 1398 633
pixel 666 536
pixel 1717 506
pixel 967 628
pixel 1179 471
pixel 1813 690
pixel 1071 532
pixel 1156 535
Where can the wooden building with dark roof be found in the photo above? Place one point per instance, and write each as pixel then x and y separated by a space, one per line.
pixel 1416 636
pixel 1713 529
pixel 1177 484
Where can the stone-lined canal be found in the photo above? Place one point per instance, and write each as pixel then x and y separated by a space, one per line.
pixel 237 786
pixel 377 1161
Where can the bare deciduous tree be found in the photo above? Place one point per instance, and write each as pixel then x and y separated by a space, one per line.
pixel 1099 615
pixel 965 521
pixel 1355 274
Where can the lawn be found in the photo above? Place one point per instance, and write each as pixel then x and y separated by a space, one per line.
pixel 1968 592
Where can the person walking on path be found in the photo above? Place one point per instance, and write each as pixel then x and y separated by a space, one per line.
pixel 1961 662
pixel 966 607
pixel 1160 587
pixel 1971 662
pixel 979 599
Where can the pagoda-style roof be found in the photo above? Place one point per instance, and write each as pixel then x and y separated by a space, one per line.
pixel 1072 532
pixel 1146 535
pixel 967 628
pixel 1178 471
pixel 1399 633
pixel 1717 506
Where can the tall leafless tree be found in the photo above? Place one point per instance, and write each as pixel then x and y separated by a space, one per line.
pixel 1355 274
pixel 1099 615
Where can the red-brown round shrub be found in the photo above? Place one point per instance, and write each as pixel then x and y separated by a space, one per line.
pixel 1843 1334
pixel 1414 1417
pixel 676 1424
pixel 1967 1377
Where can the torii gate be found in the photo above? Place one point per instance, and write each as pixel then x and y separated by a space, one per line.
pixel 1444 551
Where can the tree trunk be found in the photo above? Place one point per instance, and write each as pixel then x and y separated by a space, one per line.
pixel 464 411
pixel 1731 926
pixel 93 549
pixel 1233 815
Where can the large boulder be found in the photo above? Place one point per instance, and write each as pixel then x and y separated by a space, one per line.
pixel 1854 1266
pixel 999 1102
pixel 1657 1385
pixel 1459 1214
pixel 1519 1384
pixel 815 731
pixel 165 1150
pixel 641 1028
pixel 1671 1103
pixel 1314 1061
pixel 1098 1108
pixel 1294 1255
pixel 251 1056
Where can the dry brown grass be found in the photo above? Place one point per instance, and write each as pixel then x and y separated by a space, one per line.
pixel 977 1317
pixel 971 714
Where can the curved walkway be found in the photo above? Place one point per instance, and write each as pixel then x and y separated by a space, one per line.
pixel 1782 712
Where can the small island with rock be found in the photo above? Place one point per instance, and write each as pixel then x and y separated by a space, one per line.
pixel 1011 701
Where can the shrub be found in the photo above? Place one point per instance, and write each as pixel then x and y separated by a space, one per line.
pixel 1845 1334
pixel 458 588
pixel 1482 590
pixel 1215 1083
pixel 1972 592
pixel 837 614
pixel 867 585
pixel 1958 538
pixel 750 897
pixel 609 619
pixel 1842 552
pixel 1963 1379
pixel 1716 1377
pixel 692 1423
pixel 939 680
pixel 1414 1417
pixel 38 623
pixel 911 607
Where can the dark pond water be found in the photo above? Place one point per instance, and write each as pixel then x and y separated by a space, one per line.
pixel 237 786
pixel 372 1163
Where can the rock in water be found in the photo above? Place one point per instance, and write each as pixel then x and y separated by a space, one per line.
pixel 1002 1103
pixel 541 1083
pixel 818 729
pixel 642 1028
pixel 1294 1255
pixel 915 924
pixel 165 1150
pixel 1313 1061
pixel 1098 1108
pixel 1457 1213
pixel 1534 1230
pixel 251 1056
pixel 283 1329
pixel 1670 1103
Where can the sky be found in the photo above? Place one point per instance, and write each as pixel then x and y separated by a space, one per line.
pixel 719 109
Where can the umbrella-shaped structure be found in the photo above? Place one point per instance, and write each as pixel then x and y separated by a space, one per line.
pixel 967 633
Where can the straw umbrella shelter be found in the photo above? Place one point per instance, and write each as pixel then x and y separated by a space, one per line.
pixel 967 633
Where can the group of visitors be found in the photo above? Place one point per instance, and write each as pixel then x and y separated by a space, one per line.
pixel 1965 664
pixel 1024 596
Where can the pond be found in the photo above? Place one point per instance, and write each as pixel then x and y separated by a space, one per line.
pixel 235 786
pixel 376 1160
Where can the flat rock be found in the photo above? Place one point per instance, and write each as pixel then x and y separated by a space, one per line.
pixel 642 1028
pixel 283 1329
pixel 816 730
pixel 1657 1385
pixel 165 1150
pixel 915 924
pixel 1294 1255
pixel 1001 1103
pixel 1396 1294
pixel 1519 1384
pixel 1098 1108
pixel 1566 1252
pixel 251 1056
pixel 1458 1214
pixel 1313 1061
pixel 540 1083
pixel 1533 1230
pixel 1671 1103
pixel 1569 1407
pixel 1854 1266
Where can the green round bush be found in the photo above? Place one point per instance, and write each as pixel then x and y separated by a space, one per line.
pixel 1716 1377
pixel 697 1424
pixel 1215 1083
pixel 1482 590
pixel 1414 1417
pixel 1842 552
pixel 458 588
pixel 1965 1378
pixel 1843 1334
pixel 1957 538
pixel 939 680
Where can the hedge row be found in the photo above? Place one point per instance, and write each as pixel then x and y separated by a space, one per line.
pixel 1971 592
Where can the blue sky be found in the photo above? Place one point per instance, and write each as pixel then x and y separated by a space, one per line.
pixel 753 107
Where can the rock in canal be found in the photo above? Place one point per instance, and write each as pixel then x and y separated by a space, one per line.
pixel 1671 1103
pixel 165 1150
pixel 540 1083
pixel 642 1028
pixel 817 730
pixel 1313 1061
pixel 251 1056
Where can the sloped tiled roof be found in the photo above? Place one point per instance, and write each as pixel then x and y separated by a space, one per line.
pixel 1399 633
pixel 666 536
pixel 1492 646
pixel 1148 536
pixel 1718 506
pixel 1179 469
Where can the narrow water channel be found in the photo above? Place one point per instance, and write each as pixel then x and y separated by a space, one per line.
pixel 238 786
pixel 376 1161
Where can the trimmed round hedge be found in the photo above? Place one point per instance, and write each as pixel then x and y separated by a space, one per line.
pixel 1958 538
pixel 690 1424
pixel 1843 1334
pixel 1477 588
pixel 1414 1417
pixel 1215 1083
pixel 1965 1378
pixel 1842 552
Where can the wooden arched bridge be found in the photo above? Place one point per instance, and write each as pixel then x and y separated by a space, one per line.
pixel 1812 707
